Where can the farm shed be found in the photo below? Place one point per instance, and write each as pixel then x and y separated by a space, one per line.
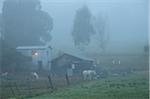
pixel 41 55
pixel 68 62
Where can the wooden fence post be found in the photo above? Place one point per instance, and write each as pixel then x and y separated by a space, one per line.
pixel 17 89
pixel 67 79
pixel 11 88
pixel 50 82
pixel 29 86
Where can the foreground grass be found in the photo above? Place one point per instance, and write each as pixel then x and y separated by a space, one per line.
pixel 131 87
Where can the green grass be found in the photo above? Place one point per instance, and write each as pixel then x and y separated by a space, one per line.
pixel 131 87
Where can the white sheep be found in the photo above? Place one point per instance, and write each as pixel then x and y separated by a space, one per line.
pixel 4 74
pixel 89 74
pixel 35 75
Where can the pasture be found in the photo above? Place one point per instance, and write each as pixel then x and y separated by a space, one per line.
pixel 135 86
pixel 131 82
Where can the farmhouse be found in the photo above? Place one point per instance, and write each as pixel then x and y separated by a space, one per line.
pixel 70 63
pixel 41 55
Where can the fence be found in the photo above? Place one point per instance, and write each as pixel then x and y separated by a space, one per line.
pixel 23 88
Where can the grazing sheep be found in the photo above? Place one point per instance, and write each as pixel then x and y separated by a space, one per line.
pixel 4 74
pixel 89 74
pixel 34 75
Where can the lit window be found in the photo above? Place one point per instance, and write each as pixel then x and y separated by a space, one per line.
pixel 35 53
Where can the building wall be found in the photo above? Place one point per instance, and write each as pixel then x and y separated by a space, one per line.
pixel 61 64
pixel 43 55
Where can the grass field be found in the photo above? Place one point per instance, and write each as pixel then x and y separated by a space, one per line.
pixel 134 86
pixel 23 88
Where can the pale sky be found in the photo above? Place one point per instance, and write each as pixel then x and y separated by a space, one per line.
pixel 128 26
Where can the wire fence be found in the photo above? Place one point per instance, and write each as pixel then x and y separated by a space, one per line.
pixel 23 88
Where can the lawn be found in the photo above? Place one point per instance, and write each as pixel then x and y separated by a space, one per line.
pixel 130 87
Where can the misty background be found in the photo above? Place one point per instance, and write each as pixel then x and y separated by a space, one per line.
pixel 46 45
pixel 127 23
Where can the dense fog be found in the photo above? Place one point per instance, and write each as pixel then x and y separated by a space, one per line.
pixel 74 49
pixel 126 23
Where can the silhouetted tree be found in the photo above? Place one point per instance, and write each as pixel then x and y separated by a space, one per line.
pixel 146 49
pixel 0 20
pixel 0 25
pixel 0 40
pixel 25 23
pixel 82 28
pixel 101 28
pixel 10 59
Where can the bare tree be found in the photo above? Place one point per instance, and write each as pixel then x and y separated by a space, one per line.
pixel 102 30
pixel 83 28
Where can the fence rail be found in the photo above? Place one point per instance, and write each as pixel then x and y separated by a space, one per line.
pixel 19 88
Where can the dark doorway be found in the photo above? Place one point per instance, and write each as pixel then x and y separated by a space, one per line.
pixel 40 65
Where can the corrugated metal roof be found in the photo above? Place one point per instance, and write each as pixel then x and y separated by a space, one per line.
pixel 31 47
pixel 75 55
pixel 79 56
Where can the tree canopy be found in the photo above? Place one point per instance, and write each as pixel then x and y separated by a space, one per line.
pixel 82 28
pixel 25 23
pixel 13 61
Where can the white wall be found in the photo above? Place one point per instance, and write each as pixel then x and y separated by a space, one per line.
pixel 42 56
